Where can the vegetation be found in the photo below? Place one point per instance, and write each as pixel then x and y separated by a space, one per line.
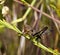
pixel 21 19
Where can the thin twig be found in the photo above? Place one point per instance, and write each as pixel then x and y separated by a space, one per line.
pixel 53 20
pixel 56 20
pixel 40 15
pixel 25 15
pixel 56 38
pixel 44 14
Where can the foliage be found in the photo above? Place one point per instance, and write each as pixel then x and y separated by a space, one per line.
pixel 48 10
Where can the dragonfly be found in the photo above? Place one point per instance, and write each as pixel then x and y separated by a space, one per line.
pixel 38 34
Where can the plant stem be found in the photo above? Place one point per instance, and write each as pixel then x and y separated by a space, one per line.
pixel 26 13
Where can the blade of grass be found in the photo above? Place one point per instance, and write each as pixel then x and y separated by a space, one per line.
pixel 38 44
pixel 25 15
pixel 10 26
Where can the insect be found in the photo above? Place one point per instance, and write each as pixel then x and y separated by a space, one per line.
pixel 39 33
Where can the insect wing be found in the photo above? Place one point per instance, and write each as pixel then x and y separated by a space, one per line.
pixel 41 31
